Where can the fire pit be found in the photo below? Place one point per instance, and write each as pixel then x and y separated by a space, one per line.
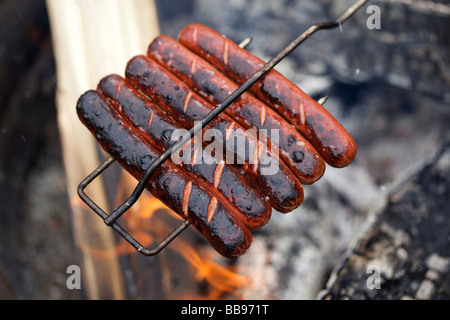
pixel 294 255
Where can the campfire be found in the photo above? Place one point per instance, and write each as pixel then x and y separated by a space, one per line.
pixel 376 230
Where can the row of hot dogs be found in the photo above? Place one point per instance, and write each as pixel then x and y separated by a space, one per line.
pixel 178 83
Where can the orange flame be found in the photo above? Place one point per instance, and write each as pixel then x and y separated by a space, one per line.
pixel 221 279
pixel 145 226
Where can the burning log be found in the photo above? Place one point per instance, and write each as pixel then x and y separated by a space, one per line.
pixel 86 48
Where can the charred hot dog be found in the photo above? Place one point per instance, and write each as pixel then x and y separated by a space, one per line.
pixel 327 135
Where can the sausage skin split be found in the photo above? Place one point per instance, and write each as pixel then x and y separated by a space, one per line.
pixel 283 189
pixel 326 134
pixel 189 198
pixel 301 157
pixel 245 200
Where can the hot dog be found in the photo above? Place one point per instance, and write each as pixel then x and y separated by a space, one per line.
pixel 191 199
pixel 246 201
pixel 326 134
pixel 301 157
pixel 283 189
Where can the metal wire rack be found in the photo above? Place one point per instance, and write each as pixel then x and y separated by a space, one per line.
pixel 111 219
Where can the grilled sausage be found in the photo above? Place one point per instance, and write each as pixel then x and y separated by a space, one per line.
pixel 326 134
pixel 246 201
pixel 284 190
pixel 191 199
pixel 301 157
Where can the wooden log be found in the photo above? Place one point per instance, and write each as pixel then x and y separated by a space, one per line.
pixel 92 39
